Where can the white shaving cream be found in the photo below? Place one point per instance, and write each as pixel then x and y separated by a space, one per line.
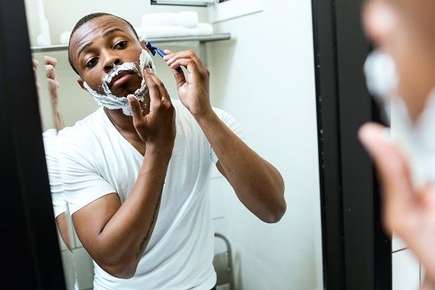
pixel 113 102
pixel 415 138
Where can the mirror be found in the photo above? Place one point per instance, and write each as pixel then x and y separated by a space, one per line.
pixel 194 205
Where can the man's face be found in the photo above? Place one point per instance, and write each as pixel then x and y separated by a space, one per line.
pixel 401 29
pixel 100 45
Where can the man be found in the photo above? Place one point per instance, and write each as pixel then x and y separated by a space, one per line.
pixel 136 175
pixel 404 30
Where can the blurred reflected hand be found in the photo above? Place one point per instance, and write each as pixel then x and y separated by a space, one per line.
pixel 408 212
pixel 428 285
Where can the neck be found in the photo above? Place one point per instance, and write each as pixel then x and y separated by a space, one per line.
pixel 121 122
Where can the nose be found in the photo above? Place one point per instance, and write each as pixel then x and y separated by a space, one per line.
pixel 111 61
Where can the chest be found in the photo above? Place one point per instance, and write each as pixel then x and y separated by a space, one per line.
pixel 120 163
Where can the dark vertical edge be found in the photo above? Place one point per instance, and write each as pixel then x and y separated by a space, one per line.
pixel 357 253
pixel 328 120
pixel 31 238
pixel 366 253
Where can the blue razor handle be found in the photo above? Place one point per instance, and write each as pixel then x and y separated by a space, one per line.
pixel 155 50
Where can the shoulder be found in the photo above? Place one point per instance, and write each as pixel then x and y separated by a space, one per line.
pixel 83 127
pixel 83 134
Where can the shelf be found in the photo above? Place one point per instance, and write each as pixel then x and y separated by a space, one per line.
pixel 202 39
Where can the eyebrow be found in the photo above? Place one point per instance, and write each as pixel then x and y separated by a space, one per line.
pixel 108 32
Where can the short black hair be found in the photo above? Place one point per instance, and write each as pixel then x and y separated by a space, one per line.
pixel 88 18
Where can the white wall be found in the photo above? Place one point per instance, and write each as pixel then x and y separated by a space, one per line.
pixel 63 14
pixel 406 270
pixel 265 78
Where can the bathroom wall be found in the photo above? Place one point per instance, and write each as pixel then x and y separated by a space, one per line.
pixel 62 16
pixel 407 272
pixel 265 78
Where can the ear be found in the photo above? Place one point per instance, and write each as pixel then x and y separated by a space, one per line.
pixel 81 84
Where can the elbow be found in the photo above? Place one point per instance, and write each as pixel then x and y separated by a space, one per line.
pixel 278 208
pixel 274 215
pixel 121 269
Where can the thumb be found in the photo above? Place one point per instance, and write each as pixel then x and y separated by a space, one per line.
pixel 392 165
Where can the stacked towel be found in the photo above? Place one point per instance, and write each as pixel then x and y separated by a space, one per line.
pixel 187 19
pixel 187 23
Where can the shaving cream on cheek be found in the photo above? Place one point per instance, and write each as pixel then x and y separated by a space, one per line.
pixel 113 102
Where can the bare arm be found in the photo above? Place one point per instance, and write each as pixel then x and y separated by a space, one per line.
pixel 53 88
pixel 116 234
pixel 258 185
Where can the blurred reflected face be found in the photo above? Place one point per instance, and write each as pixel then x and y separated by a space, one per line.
pixel 404 30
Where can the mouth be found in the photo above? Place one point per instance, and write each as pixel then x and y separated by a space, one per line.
pixel 122 78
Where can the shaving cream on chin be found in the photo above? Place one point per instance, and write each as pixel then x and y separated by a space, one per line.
pixel 113 102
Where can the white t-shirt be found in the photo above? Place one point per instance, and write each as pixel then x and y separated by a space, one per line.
pixel 97 160
pixel 54 174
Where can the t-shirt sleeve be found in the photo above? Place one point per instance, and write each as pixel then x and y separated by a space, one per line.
pixel 54 174
pixel 232 123
pixel 81 180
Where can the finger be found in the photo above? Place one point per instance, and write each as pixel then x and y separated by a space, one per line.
pixel 160 85
pixel 50 60
pixel 165 98
pixel 135 107
pixel 50 71
pixel 392 165
pixel 180 78
pixel 35 64
pixel 171 57
pixel 188 63
pixel 53 85
pixel 196 62
pixel 144 107
pixel 154 91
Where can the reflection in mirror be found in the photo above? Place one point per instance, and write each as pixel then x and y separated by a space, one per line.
pixel 153 186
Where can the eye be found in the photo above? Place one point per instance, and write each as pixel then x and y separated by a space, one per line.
pixel 92 62
pixel 121 45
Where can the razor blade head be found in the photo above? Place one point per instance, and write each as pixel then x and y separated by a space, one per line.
pixel 151 48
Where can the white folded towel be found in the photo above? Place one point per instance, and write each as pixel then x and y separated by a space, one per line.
pixel 188 19
pixel 202 29
pixel 64 37
pixel 153 31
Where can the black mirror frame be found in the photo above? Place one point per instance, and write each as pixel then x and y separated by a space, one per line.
pixel 357 254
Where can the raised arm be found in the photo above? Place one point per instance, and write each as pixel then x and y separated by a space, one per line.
pixel 258 184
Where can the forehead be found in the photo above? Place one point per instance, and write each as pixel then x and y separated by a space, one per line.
pixel 96 28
